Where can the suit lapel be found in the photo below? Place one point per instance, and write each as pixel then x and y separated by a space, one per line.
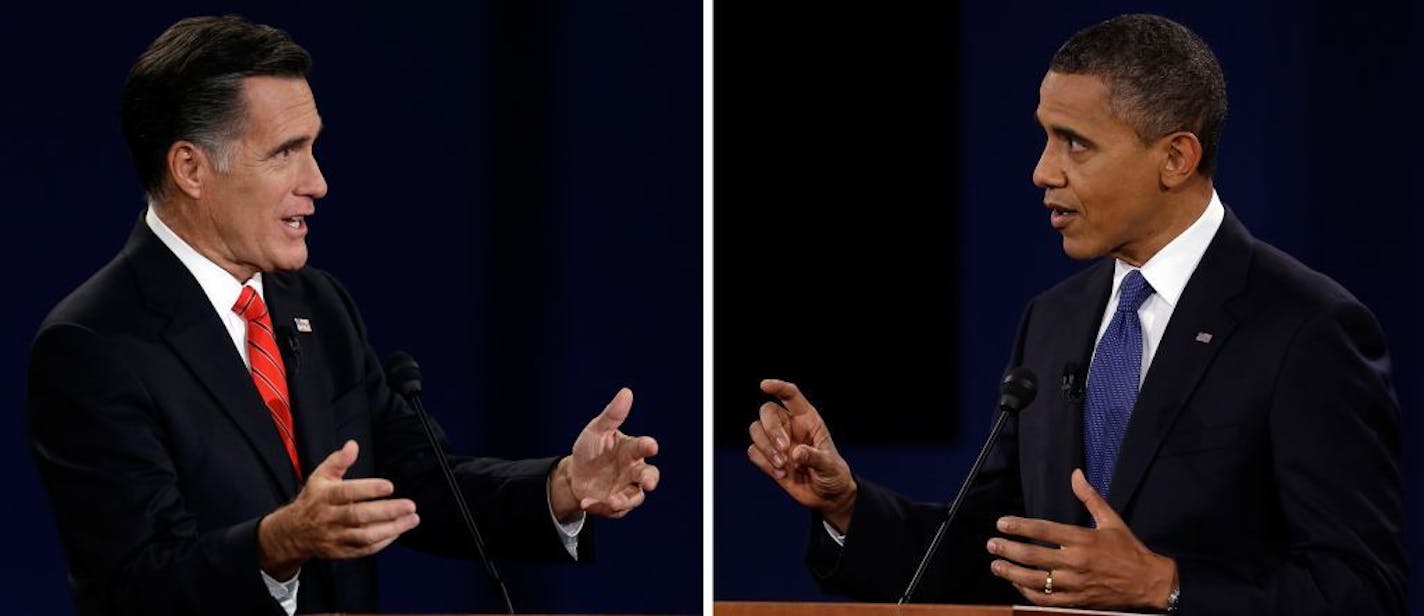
pixel 1182 355
pixel 199 339
pixel 1077 316
pixel 302 356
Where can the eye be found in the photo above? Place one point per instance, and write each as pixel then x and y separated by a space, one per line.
pixel 1074 145
pixel 284 152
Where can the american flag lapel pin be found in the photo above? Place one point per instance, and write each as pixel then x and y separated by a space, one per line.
pixel 304 326
pixel 1202 337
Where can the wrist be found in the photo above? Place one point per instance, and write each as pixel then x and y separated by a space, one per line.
pixel 840 510
pixel 1166 587
pixel 276 554
pixel 561 491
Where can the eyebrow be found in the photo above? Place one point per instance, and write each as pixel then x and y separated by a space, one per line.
pixel 294 142
pixel 1063 132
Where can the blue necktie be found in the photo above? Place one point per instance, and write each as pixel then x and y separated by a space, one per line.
pixel 1113 380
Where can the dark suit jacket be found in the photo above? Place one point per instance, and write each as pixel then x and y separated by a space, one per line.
pixel 160 459
pixel 1265 461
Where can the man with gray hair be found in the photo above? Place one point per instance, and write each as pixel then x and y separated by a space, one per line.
pixel 1226 437
pixel 213 429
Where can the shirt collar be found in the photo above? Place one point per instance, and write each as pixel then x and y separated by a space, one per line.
pixel 220 287
pixel 1169 270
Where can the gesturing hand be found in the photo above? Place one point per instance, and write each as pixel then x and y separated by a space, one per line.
pixel 790 443
pixel 1105 567
pixel 606 474
pixel 333 518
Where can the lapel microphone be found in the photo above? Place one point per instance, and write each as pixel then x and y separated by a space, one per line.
pixel 1016 391
pixel 1073 383
pixel 288 338
pixel 403 376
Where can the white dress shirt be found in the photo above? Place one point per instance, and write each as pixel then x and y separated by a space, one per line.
pixel 222 289
pixel 1168 272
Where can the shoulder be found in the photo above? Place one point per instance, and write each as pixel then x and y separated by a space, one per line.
pixel 1284 291
pixel 1278 278
pixel 107 302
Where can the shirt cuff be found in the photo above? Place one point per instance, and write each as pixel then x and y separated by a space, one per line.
pixel 284 592
pixel 568 533
pixel 837 537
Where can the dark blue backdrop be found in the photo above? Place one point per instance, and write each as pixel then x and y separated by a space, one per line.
pixel 515 199
pixel 1320 157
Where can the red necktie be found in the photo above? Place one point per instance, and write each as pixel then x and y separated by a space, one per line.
pixel 268 373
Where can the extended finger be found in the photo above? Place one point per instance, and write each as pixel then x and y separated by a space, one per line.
pixel 372 534
pixel 642 475
pixel 773 420
pixel 1044 530
pixel 789 395
pixel 642 447
pixel 354 490
pixel 614 413
pixel 1028 554
pixel 335 465
pixel 375 512
pixel 1101 511
pixel 759 460
pixel 648 478
pixel 1022 576
pixel 762 442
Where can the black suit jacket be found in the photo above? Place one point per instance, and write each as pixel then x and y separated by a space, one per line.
pixel 1265 460
pixel 160 458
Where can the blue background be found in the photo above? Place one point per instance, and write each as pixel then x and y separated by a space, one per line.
pixel 515 199
pixel 1320 157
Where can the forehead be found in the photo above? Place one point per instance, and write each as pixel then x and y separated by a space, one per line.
pixel 1080 100
pixel 279 105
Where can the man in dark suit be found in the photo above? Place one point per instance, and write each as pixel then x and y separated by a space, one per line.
pixel 213 430
pixel 1238 436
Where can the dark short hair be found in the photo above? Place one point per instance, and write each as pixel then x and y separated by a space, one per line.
pixel 188 86
pixel 1161 77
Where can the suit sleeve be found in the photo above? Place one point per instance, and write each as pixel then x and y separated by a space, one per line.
pixel 508 498
pixel 1334 425
pixel 133 547
pixel 888 533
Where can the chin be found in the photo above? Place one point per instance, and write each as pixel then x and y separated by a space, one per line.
pixel 290 263
pixel 1080 252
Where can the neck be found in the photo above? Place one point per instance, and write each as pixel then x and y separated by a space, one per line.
pixel 181 219
pixel 1179 210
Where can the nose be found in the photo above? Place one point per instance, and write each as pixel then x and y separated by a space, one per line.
pixel 1047 173
pixel 313 183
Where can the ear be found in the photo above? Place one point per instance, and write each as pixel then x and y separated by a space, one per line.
pixel 188 167
pixel 1183 154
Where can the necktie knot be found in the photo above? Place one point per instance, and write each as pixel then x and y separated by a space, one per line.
pixel 1133 292
pixel 249 305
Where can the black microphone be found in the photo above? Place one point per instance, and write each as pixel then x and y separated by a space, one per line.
pixel 403 375
pixel 288 338
pixel 1016 391
pixel 1073 383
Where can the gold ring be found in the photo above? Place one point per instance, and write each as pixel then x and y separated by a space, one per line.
pixel 1048 583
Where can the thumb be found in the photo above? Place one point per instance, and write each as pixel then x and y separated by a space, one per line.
pixel 335 465
pixel 819 460
pixel 613 415
pixel 1102 512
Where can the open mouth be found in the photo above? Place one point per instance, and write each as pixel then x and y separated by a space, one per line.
pixel 296 223
pixel 1060 216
